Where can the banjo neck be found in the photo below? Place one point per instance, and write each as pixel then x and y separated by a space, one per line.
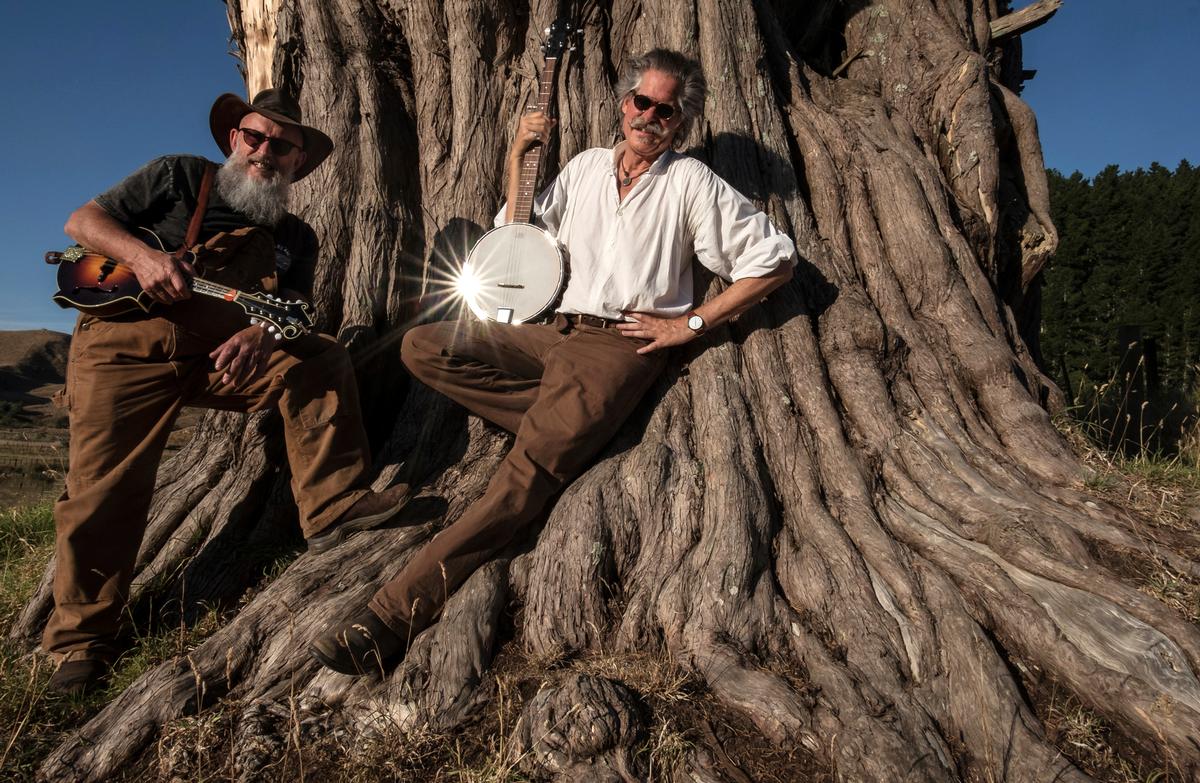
pixel 515 272
pixel 531 163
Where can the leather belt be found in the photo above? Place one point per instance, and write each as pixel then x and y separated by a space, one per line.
pixel 591 320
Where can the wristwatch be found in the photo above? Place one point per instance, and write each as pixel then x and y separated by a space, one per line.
pixel 696 323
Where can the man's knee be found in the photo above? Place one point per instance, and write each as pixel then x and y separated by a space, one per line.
pixel 419 348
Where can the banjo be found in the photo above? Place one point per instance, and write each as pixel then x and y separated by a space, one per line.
pixel 516 272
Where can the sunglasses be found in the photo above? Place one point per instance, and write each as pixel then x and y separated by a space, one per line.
pixel 278 146
pixel 661 110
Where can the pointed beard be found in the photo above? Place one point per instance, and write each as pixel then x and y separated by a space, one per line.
pixel 263 201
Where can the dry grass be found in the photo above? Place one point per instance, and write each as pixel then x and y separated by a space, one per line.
pixel 1089 741
pixel 32 719
pixel 1161 495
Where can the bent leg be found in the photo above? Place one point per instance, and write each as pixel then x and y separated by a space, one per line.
pixel 592 382
pixel 492 370
pixel 311 380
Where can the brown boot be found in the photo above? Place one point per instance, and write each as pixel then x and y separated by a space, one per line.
pixel 368 512
pixel 74 678
pixel 365 645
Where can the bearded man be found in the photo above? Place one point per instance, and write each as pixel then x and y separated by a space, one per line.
pixel 128 376
pixel 630 219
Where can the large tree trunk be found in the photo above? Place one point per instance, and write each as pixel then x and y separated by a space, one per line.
pixel 847 515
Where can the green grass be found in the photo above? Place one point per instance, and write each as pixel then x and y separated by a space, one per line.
pixel 26 541
pixel 32 719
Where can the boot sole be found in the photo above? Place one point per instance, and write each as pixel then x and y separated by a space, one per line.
pixel 324 543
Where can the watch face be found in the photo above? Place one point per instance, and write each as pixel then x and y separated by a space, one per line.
pixel 695 323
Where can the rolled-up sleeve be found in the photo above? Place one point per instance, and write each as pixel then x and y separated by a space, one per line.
pixel 733 238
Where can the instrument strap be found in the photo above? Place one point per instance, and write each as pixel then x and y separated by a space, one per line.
pixel 193 229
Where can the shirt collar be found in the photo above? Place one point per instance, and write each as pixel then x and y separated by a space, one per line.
pixel 657 167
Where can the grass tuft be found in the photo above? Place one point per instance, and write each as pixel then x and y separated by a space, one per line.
pixel 1089 741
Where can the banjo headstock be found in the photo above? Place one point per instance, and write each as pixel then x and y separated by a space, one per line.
pixel 560 37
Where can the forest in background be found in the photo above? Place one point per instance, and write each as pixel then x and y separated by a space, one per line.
pixel 1128 263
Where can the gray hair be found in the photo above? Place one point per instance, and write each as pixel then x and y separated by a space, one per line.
pixel 675 64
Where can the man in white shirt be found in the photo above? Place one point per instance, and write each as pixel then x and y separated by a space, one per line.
pixel 630 220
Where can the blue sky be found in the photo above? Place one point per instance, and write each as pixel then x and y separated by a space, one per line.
pixel 104 87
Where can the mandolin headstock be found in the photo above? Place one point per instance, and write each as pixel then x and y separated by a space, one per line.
pixel 286 319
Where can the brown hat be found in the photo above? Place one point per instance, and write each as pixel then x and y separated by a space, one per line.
pixel 228 110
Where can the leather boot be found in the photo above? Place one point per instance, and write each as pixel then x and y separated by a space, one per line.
pixel 365 645
pixel 368 512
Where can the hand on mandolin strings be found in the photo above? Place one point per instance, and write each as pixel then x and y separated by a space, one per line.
pixel 244 356
pixel 162 276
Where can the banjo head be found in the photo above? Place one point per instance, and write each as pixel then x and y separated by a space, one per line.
pixel 513 274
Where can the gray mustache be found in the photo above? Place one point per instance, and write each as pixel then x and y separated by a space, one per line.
pixel 643 124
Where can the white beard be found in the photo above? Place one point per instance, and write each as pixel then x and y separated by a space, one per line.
pixel 263 201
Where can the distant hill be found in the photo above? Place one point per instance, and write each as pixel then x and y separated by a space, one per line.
pixel 30 359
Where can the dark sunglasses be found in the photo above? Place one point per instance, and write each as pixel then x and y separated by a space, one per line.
pixel 661 110
pixel 278 146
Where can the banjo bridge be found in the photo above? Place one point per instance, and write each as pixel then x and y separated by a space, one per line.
pixel 509 285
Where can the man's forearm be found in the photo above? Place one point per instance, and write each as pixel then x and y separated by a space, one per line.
pixel 160 276
pixel 100 232
pixel 741 295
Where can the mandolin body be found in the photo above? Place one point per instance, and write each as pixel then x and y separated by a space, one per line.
pixel 98 285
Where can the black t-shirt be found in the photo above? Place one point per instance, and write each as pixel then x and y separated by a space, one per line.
pixel 161 196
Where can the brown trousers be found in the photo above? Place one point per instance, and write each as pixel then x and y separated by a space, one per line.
pixel 563 391
pixel 126 383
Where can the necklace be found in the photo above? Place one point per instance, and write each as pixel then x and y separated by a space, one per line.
pixel 627 175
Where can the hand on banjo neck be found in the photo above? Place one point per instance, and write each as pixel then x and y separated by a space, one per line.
pixel 533 128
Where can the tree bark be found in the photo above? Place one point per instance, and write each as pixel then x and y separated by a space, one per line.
pixel 847 514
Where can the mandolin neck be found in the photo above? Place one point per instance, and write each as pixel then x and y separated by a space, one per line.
pixel 216 290
pixel 531 164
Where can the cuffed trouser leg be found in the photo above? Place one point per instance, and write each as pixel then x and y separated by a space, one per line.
pixel 591 381
pixel 122 396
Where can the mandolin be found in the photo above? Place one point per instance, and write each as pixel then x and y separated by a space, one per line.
pixel 105 287
pixel 516 272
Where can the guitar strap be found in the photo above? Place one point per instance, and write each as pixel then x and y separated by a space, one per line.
pixel 193 229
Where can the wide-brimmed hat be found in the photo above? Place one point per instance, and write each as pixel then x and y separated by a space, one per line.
pixel 228 110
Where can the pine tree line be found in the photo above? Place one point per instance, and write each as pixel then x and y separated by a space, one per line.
pixel 1129 256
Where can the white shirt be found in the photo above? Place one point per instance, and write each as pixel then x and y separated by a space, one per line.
pixel 636 255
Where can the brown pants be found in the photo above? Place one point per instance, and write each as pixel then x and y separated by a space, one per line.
pixel 126 383
pixel 564 391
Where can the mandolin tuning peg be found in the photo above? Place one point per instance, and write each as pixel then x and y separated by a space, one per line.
pixel 253 321
pixel 278 336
